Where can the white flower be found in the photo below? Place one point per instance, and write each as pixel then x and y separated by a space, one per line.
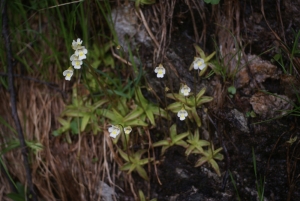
pixel 160 70
pixel 199 63
pixel 182 114
pixel 68 73
pixel 74 57
pixel 76 62
pixel 76 44
pixel 81 52
pixel 127 130
pixel 114 131
pixel 185 90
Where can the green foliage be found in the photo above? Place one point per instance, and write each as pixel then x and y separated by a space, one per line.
pixel 250 114
pixel 235 186
pixel 100 55
pixel 209 156
pixel 133 118
pixel 15 143
pixel 195 143
pixel 190 104
pixel 287 65
pixel 142 2
pixel 231 90
pixel 134 162
pixel 212 1
pixel 200 53
pixel 175 139
pixel 142 197
pixel 149 108
pixel 20 195
pixel 260 183
pixel 81 115
pixel 291 140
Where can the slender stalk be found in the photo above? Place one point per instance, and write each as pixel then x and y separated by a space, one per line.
pixel 24 150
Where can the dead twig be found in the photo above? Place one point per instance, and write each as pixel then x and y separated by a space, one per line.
pixel 194 22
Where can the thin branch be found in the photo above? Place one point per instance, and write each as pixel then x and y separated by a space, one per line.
pixel 24 150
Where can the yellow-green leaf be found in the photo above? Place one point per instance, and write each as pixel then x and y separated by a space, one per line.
pixel 85 121
pixel 63 122
pixel 126 166
pixel 116 117
pixel 123 155
pixel 200 94
pixel 215 166
pixel 140 98
pixel 150 116
pixel 161 143
pixel 141 171
pixel 177 97
pixel 196 117
pixel 99 103
pixel 134 114
pixel 203 71
pixel 219 156
pixel 204 99
pixel 199 51
pixel 136 122
pixel 142 196
pixel 201 161
pixel 179 137
pixel 210 56
pixel 174 107
pixel 159 112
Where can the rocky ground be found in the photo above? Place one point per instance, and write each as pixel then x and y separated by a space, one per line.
pixel 255 118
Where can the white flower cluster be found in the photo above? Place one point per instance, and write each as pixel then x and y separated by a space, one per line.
pixel 76 58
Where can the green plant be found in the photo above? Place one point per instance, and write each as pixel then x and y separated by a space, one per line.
pixel 79 115
pixel 134 162
pixel 135 117
pixel 35 147
pixel 142 196
pixel 291 54
pixel 260 186
pixel 175 139
pixel 190 104
pixel 201 61
pixel 149 108
pixel 229 64
pixel 20 195
pixel 101 55
pixel 209 156
pixel 292 140
pixel 212 1
pixel 232 91
pixel 234 185
pixel 195 143
pixel 250 114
